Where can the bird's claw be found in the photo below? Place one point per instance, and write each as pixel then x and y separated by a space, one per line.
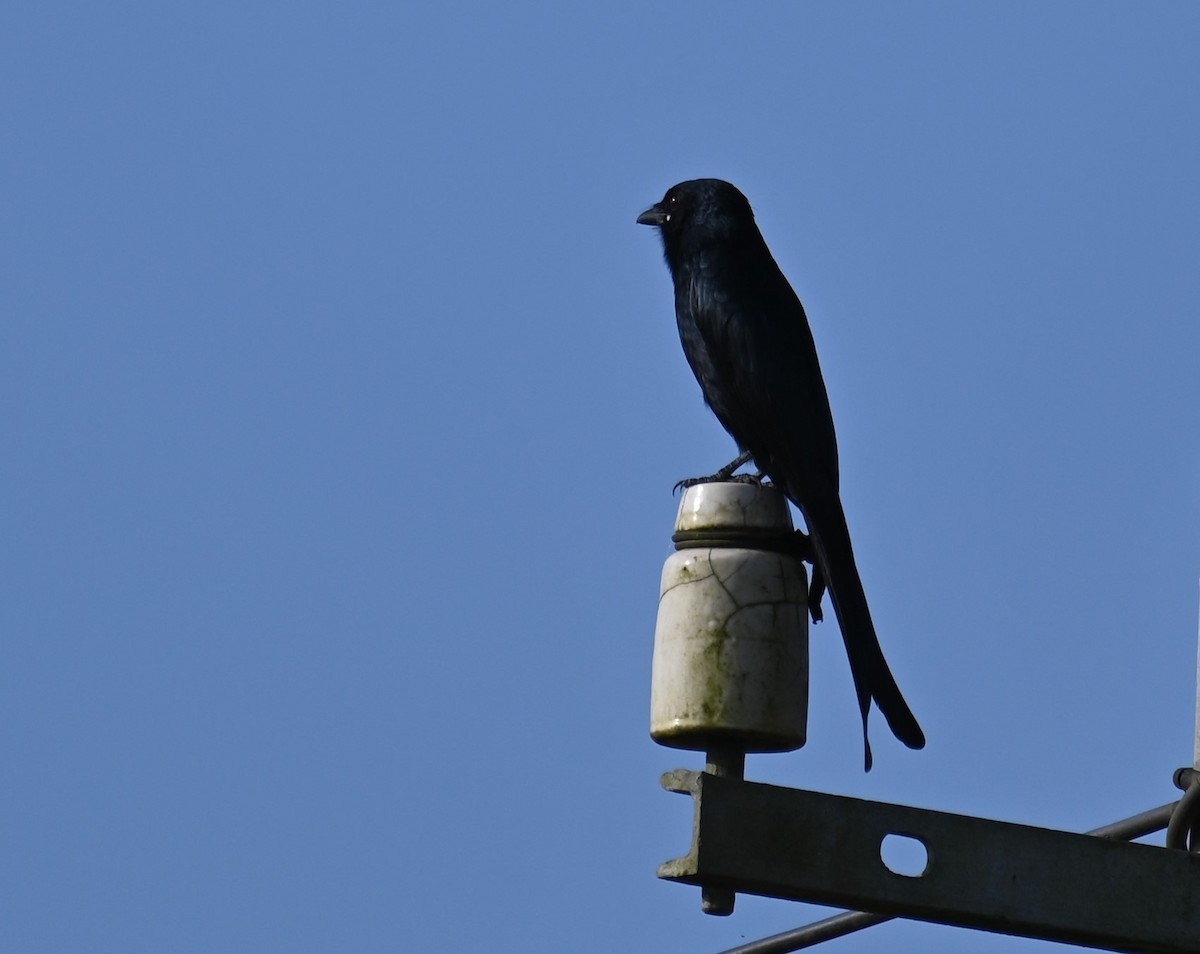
pixel 719 478
pixel 758 480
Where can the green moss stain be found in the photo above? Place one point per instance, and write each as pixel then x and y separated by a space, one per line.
pixel 718 670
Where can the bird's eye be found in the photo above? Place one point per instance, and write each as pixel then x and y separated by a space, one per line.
pixel 673 201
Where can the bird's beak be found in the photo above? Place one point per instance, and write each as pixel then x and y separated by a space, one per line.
pixel 655 215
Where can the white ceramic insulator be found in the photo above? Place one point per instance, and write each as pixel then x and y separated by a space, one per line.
pixel 731 644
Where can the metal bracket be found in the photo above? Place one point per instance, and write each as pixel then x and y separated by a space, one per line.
pixel 996 876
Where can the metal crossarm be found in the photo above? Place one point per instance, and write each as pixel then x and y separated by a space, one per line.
pixel 996 876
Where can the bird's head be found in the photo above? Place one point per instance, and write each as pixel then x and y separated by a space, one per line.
pixel 698 207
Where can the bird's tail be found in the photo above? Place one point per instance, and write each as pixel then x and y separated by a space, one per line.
pixel 872 677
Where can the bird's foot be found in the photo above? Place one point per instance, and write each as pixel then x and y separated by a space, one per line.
pixel 721 477
pixel 726 473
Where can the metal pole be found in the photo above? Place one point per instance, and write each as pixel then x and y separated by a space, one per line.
pixel 837 926
pixel 727 763
pixel 1128 829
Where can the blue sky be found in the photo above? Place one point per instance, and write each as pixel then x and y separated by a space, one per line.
pixel 343 402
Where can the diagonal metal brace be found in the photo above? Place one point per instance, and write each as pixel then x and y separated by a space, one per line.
pixel 996 876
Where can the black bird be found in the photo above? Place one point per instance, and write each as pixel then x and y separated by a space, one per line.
pixel 747 339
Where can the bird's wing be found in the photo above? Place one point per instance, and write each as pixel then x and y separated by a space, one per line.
pixel 753 340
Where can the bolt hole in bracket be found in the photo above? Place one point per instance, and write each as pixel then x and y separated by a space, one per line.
pixel 904 855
